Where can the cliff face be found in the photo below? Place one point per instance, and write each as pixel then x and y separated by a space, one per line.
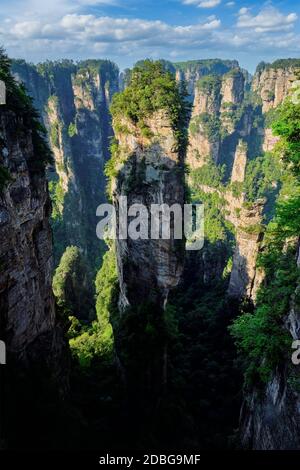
pixel 28 320
pixel 270 418
pixel 192 71
pixel 273 84
pixel 147 170
pixel 27 303
pixel 73 101
pixel 239 164
pixel 37 354
pixel 245 278
pixel 151 174
pixel 230 126
pixel 222 131
pixel 215 118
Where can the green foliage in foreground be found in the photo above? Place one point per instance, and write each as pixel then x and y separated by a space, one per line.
pixel 91 343
pixel 95 342
pixel 261 336
pixel 70 285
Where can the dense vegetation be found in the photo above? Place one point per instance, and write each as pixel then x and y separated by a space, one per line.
pixel 70 285
pixel 263 176
pixel 207 66
pixel 210 85
pixel 278 64
pixel 209 124
pixel 151 89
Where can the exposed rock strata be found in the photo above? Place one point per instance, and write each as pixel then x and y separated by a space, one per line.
pixel 73 100
pixel 152 173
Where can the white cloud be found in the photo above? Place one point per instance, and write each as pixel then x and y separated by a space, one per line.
pixel 104 34
pixel 26 29
pixel 269 19
pixel 64 30
pixel 230 4
pixel 203 3
pixel 244 11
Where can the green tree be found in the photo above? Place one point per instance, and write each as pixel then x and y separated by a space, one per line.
pixel 152 88
pixel 96 341
pixel 70 285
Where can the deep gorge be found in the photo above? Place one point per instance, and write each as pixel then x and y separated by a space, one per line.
pixel 146 344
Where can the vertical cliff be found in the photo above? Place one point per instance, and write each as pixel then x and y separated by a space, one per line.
pixel 273 83
pixel 270 418
pixel 74 100
pixel 270 414
pixel 147 167
pixel 245 278
pixel 230 132
pixel 224 134
pixel 216 116
pixel 192 71
pixel 152 174
pixel 36 350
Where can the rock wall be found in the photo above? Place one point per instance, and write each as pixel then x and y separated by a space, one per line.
pixel 152 173
pixel 147 171
pixel 245 277
pixel 229 126
pixel 239 164
pixel 37 362
pixel 273 84
pixel 192 71
pixel 214 118
pixel 28 319
pixel 73 100
pixel 270 418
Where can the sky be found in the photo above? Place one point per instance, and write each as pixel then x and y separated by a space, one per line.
pixel 129 30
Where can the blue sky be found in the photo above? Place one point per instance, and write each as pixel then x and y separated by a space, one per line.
pixel 126 31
